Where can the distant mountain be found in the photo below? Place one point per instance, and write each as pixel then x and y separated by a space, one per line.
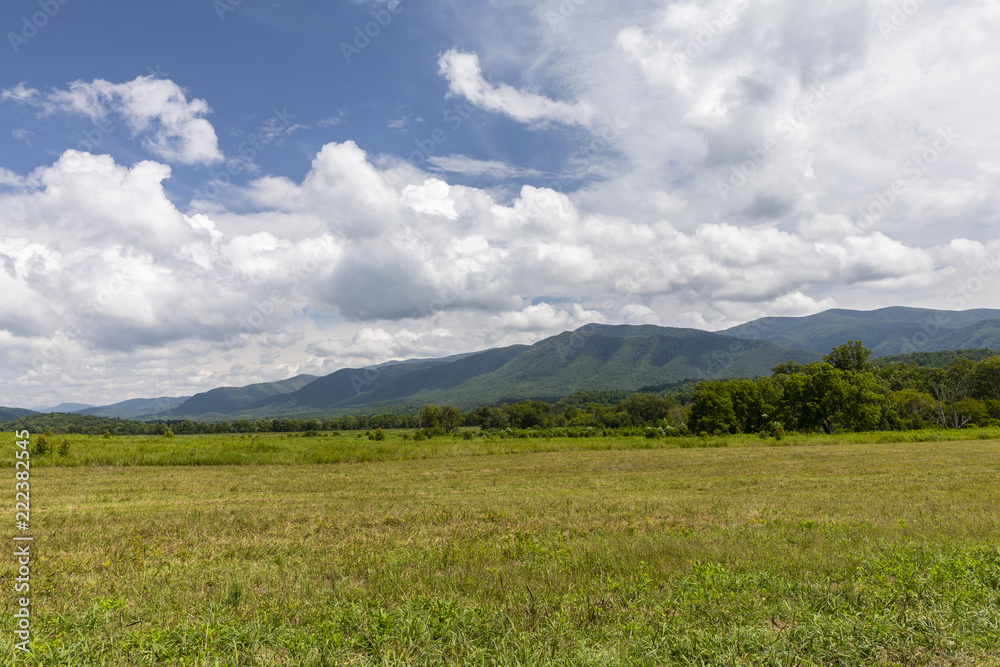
pixel 9 414
pixel 137 407
pixel 888 331
pixel 64 407
pixel 593 357
pixel 226 400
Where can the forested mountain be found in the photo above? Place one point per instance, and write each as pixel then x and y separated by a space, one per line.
pixel 137 407
pixel 7 414
pixel 224 400
pixel 593 358
pixel 888 331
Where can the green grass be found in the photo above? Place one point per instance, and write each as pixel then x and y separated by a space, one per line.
pixel 579 552
pixel 354 447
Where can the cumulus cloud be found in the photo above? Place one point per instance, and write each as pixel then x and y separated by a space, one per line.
pixel 132 281
pixel 781 163
pixel 156 110
pixel 465 79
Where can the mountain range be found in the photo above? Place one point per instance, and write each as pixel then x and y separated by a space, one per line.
pixel 594 357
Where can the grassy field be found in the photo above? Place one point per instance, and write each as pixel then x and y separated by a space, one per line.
pixel 344 551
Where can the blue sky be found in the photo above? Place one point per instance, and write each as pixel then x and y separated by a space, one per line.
pixel 193 197
pixel 252 58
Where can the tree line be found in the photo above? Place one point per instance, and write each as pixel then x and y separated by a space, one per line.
pixel 846 391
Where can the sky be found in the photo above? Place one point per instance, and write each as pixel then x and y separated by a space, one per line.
pixel 204 193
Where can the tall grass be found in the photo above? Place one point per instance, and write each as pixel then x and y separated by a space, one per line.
pixel 844 554
pixel 355 447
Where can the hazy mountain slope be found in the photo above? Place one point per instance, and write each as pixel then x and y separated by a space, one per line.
pixel 620 357
pixel 225 400
pixel 9 414
pixel 137 407
pixel 594 357
pixel 400 384
pixel 975 336
pixel 896 330
pixel 63 407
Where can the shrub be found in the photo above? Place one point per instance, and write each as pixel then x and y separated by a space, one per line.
pixel 168 434
pixel 42 446
pixel 64 447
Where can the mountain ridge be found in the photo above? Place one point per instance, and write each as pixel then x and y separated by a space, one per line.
pixel 592 357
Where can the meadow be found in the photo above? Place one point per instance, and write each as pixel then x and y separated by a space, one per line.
pixel 273 549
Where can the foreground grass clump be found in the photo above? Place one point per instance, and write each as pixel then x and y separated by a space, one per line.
pixel 845 554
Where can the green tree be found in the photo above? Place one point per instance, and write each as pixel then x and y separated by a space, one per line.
pixel 831 399
pixel 429 415
pixel 851 356
pixel 489 418
pixel 449 418
pixel 645 408
pixel 754 403
pixel 951 388
pixel 527 414
pixel 712 409
pixel 985 379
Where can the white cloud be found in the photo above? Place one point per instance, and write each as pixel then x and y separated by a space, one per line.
pixel 157 110
pixel 465 79
pixel 368 258
pixel 22 134
pixel 463 164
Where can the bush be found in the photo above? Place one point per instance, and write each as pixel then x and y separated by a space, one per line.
pixel 64 447
pixel 168 434
pixel 379 434
pixel 42 446
pixel 467 435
